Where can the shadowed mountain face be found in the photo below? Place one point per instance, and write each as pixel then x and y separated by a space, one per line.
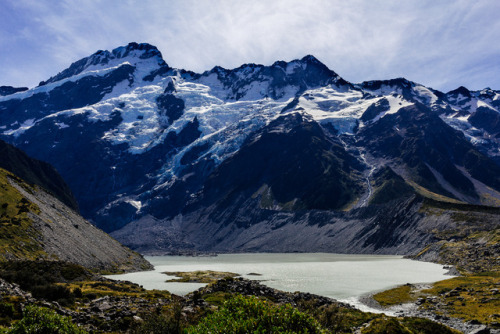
pixel 36 225
pixel 36 172
pixel 185 160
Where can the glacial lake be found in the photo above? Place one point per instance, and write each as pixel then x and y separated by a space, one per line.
pixel 339 276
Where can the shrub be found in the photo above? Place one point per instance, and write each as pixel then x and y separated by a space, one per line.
pixel 405 326
pixel 252 315
pixel 39 320
pixel 157 324
pixel 385 325
pixel 170 321
pixel 53 292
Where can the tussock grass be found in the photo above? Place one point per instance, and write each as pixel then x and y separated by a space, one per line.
pixel 399 295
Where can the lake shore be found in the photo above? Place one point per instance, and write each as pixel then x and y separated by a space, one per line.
pixel 414 309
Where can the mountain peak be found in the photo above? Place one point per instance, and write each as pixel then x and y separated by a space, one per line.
pixel 460 90
pixel 297 75
pixel 136 52
pixel 143 50
pixel 310 59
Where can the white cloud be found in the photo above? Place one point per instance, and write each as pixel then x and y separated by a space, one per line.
pixel 441 44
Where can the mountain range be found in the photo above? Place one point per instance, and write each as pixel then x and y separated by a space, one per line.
pixel 286 157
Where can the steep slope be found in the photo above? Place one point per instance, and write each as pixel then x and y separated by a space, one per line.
pixel 35 225
pixel 435 156
pixel 36 172
pixel 319 173
pixel 219 160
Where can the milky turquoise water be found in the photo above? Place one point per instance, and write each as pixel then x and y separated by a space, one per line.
pixel 342 277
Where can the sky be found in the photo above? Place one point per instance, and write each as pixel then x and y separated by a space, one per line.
pixel 441 44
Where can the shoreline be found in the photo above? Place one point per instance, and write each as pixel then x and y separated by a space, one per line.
pixel 412 309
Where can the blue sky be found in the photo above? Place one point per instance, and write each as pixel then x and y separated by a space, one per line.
pixel 441 44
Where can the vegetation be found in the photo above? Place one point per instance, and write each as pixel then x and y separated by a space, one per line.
pixel 200 276
pixel 217 298
pixel 384 325
pixel 18 239
pixel 388 186
pixel 252 315
pixel 9 310
pixel 472 297
pixel 336 318
pixel 38 320
pixel 170 321
pixel 217 311
pixel 96 289
pixel 41 278
pixel 399 295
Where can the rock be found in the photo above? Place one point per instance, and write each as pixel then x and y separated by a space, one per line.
pixel 481 330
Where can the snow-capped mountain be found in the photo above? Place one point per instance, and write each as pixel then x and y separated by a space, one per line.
pixel 168 159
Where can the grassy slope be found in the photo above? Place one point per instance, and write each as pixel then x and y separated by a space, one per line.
pixel 18 239
pixel 472 245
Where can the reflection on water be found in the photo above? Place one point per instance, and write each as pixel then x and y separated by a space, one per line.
pixel 343 277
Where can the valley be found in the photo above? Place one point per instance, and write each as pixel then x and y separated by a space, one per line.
pixel 281 158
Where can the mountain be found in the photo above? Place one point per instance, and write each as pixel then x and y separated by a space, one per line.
pixel 35 225
pixel 284 157
pixel 36 172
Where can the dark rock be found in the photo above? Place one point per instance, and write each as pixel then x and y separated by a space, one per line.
pixel 8 90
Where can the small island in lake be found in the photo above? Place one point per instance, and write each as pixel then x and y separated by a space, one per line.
pixel 199 276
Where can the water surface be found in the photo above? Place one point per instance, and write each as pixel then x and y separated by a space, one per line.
pixel 339 276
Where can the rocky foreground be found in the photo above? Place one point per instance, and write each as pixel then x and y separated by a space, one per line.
pixel 103 306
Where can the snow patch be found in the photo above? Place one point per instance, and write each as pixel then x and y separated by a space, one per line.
pixel 25 126
pixel 426 94
pixel 61 125
pixel 135 204
pixel 48 87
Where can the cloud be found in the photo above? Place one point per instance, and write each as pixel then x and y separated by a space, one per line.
pixel 440 44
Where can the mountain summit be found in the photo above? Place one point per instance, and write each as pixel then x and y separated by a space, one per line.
pixel 133 53
pixel 283 157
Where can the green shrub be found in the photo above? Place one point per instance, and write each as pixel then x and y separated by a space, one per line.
pixel 406 326
pixel 53 292
pixel 157 324
pixel 425 326
pixel 39 320
pixel 168 320
pixel 40 278
pixel 385 325
pixel 252 315
pixel 7 313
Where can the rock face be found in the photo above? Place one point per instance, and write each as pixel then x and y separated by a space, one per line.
pixel 286 157
pixel 66 236
pixel 36 225
pixel 7 90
